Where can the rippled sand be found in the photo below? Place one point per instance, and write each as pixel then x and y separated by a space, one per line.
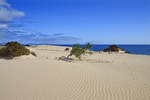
pixel 100 76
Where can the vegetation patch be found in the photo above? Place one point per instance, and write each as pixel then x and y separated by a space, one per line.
pixel 113 48
pixel 13 49
pixel 77 51
pixel 66 49
pixel 28 45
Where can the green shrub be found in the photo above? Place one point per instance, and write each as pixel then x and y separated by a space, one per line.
pixel 77 51
pixel 88 46
pixel 14 49
pixel 33 53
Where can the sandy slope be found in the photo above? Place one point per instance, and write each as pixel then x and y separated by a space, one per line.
pixel 100 76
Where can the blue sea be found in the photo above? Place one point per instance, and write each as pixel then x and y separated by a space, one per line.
pixel 133 49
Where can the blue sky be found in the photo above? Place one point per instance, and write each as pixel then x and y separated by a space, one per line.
pixel 76 21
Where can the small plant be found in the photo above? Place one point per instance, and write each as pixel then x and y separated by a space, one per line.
pixel 77 51
pixel 88 46
pixel 66 49
pixel 34 54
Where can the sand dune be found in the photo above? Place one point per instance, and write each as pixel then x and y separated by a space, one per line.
pixel 100 76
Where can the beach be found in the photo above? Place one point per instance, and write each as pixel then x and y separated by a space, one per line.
pixel 100 76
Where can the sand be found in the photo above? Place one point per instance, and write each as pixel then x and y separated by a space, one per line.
pixel 100 76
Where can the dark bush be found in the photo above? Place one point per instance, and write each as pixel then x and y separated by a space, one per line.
pixel 27 45
pixel 14 49
pixel 66 49
pixel 128 52
pixel 113 48
pixel 3 52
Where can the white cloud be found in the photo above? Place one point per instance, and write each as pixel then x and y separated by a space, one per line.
pixel 7 13
pixel 3 26
pixel 4 3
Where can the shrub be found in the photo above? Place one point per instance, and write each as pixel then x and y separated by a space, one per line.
pixel 27 45
pixel 128 52
pixel 77 51
pixel 66 49
pixel 3 52
pixel 113 48
pixel 14 49
pixel 88 46
pixel 33 53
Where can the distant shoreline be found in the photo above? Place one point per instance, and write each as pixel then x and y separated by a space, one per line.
pixel 134 49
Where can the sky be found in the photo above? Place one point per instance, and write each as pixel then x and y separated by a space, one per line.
pixel 75 21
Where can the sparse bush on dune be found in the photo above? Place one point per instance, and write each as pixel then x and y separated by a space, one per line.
pixel 14 49
pixel 87 46
pixel 77 51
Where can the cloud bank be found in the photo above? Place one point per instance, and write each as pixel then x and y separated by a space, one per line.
pixel 8 14
pixel 10 31
pixel 37 38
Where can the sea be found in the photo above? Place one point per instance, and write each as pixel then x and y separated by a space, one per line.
pixel 133 49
